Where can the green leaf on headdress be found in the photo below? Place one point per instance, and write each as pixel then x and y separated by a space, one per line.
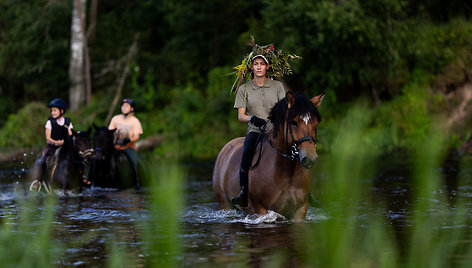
pixel 278 59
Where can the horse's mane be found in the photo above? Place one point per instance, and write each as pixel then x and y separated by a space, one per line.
pixel 67 147
pixel 103 130
pixel 83 134
pixel 302 106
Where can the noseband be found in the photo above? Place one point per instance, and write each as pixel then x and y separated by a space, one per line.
pixel 86 153
pixel 83 154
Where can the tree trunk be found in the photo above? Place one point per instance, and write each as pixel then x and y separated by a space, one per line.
pixel 77 90
pixel 92 22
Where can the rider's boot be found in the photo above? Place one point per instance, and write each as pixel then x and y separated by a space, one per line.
pixel 241 199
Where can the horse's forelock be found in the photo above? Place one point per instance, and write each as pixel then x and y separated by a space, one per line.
pixel 303 106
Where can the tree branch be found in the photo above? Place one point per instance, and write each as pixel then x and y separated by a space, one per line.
pixel 131 52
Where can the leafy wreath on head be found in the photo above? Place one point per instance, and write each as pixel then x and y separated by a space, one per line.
pixel 278 60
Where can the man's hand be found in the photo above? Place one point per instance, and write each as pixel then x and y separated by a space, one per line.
pixel 126 141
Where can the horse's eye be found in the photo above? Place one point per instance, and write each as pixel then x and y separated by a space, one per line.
pixel 294 123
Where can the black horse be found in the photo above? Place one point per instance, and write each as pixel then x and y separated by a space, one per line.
pixel 67 167
pixel 110 168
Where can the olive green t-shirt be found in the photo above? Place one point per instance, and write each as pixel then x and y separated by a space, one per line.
pixel 258 100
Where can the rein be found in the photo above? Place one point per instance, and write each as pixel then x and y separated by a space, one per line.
pixel 260 139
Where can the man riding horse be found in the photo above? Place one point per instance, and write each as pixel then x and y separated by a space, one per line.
pixel 127 130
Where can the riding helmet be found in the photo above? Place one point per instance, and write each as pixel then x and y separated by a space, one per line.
pixel 130 102
pixel 59 103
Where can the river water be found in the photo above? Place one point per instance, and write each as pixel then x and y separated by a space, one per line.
pixel 85 223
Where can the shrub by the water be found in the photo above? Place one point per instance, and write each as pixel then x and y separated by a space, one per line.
pixel 25 129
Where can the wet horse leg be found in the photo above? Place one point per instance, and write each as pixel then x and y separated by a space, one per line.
pixel 301 212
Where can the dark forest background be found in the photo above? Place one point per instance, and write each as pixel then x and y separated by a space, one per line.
pixel 405 60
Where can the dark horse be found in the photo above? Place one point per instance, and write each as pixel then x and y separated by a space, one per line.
pixel 66 168
pixel 282 179
pixel 111 168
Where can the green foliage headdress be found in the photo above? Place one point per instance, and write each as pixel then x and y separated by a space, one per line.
pixel 278 60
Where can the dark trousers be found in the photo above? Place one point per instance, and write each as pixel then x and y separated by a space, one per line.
pixel 249 148
pixel 133 156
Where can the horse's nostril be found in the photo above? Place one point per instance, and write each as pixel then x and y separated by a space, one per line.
pixel 308 163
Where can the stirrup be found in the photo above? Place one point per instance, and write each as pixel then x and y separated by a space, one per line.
pixel 47 187
pixel 35 186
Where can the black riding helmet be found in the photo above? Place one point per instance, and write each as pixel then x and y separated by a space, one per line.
pixel 59 103
pixel 130 102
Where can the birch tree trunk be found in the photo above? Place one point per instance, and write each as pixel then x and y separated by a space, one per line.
pixel 77 90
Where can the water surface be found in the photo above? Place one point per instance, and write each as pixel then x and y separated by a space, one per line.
pixel 86 223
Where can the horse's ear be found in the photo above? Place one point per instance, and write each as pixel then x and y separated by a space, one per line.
pixel 318 99
pixel 89 130
pixel 290 98
pixel 74 133
pixel 94 126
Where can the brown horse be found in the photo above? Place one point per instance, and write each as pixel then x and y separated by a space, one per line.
pixel 281 179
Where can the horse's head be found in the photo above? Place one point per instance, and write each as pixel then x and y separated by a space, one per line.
pixel 82 144
pixel 295 119
pixel 102 141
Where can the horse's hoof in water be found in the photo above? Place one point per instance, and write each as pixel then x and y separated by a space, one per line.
pixel 35 186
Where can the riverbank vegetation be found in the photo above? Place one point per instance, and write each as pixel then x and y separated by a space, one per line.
pixel 406 60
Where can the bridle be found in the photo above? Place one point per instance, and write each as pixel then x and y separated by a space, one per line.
pixel 84 154
pixel 294 150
